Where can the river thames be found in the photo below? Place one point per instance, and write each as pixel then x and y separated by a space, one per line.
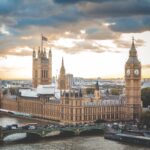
pixel 70 143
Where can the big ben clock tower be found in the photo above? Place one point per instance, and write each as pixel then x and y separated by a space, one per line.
pixel 133 85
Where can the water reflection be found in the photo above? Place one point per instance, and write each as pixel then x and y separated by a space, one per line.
pixel 74 143
pixel 4 121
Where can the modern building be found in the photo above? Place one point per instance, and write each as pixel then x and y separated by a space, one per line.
pixel 74 106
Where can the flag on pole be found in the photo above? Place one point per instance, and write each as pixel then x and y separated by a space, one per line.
pixel 44 38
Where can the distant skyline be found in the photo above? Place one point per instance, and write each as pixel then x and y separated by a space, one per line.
pixel 93 36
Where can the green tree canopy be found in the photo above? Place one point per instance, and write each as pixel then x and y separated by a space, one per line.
pixel 90 90
pixel 145 119
pixel 145 96
pixel 115 91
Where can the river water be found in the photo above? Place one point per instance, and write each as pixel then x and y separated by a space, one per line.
pixel 70 143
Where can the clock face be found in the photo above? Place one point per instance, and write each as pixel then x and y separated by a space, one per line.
pixel 128 72
pixel 136 72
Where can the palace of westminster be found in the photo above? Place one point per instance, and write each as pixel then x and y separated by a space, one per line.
pixel 67 105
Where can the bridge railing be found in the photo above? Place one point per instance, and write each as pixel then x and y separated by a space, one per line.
pixel 40 130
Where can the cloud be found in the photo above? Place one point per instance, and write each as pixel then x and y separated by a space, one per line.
pixel 78 1
pixel 132 24
pixel 83 45
pixel 118 8
pixel 127 44
pixel 69 16
pixel 9 69
pixel 3 30
pixel 7 7
pixel 101 32
pixel 21 22
pixel 11 72
pixel 47 13
pixel 11 45
pixel 18 51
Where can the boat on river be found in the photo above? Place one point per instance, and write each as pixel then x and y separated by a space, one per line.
pixel 128 138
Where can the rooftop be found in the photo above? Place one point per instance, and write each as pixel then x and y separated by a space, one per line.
pixel 41 90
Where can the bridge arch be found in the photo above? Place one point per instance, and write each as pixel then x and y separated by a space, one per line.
pixel 34 135
pixel 67 132
pixel 91 131
pixel 13 136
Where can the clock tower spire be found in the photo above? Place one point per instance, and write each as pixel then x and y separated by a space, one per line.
pixel 133 85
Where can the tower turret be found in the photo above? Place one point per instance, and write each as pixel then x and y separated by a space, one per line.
pixel 97 86
pixel 133 84
pixel 44 52
pixel 34 53
pixel 97 91
pixel 39 53
pixel 34 70
pixel 50 65
pixel 50 53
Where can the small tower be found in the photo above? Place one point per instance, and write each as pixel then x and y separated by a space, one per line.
pixel 50 65
pixel 34 54
pixel 44 53
pixel 34 68
pixel 0 94
pixel 97 94
pixel 133 85
pixel 62 77
pixel 39 53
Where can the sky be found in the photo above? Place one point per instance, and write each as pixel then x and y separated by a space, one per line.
pixel 93 36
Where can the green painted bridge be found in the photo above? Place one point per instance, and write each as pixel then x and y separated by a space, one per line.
pixel 48 132
pixel 81 129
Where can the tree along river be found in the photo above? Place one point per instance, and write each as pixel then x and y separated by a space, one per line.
pixel 69 143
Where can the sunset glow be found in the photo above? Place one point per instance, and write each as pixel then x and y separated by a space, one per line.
pixel 94 38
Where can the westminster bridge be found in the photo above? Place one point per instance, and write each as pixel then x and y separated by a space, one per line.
pixel 42 132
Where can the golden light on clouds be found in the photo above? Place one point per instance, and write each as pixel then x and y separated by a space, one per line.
pixel 93 37
pixel 26 37
pixel 16 67
pixel 108 64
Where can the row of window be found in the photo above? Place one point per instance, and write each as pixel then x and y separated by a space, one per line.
pixel 93 117
pixel 44 73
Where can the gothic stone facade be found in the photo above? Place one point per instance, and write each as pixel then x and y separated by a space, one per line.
pixel 133 85
pixel 42 68
pixel 75 108
pixel 69 110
